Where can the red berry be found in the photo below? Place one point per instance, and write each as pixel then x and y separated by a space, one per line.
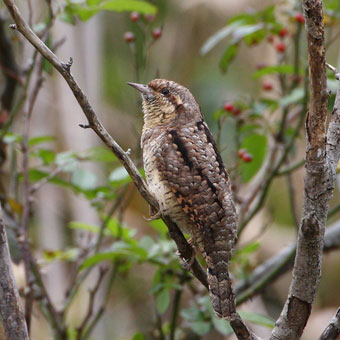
pixel 241 152
pixel 299 18
pixel 280 47
pixel 129 37
pixel 267 86
pixel 247 157
pixel 283 32
pixel 134 16
pixel 270 38
pixel 157 33
pixel 149 17
pixel 228 106
pixel 236 111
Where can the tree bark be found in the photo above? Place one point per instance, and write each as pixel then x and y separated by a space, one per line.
pixel 11 310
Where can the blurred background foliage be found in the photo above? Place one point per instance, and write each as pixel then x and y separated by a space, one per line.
pixel 245 62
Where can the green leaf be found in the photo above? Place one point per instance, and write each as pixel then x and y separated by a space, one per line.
pixel 139 336
pixel 228 56
pixel 258 319
pixel 219 36
pixel 248 249
pixel 160 226
pixel 294 97
pixel 61 255
pixel 222 326
pixel 83 179
pixel 119 176
pixel 280 69
pixel 84 226
pixel 93 2
pixel 200 327
pixel 256 145
pixel 99 154
pixel 119 249
pixel 46 156
pixel 163 301
pixel 128 5
pixel 245 30
pixel 67 161
pixel 10 137
pixel 191 314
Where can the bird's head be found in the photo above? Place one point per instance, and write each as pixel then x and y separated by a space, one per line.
pixel 166 102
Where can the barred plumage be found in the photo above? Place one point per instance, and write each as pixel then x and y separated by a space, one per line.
pixel 185 172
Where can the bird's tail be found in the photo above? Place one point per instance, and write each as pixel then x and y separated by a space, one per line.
pixel 221 292
pixel 217 257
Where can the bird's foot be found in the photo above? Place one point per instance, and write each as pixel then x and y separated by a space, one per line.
pixel 154 215
pixel 187 263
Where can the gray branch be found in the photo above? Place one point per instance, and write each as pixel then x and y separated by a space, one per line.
pixel 279 264
pixel 322 155
pixel 12 313
pixel 332 332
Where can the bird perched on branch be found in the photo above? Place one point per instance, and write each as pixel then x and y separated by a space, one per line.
pixel 186 174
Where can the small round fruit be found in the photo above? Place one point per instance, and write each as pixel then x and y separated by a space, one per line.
pixel 129 37
pixel 228 106
pixel 236 111
pixel 299 18
pixel 280 47
pixel 283 32
pixel 247 157
pixel 134 16
pixel 241 152
pixel 157 33
pixel 267 86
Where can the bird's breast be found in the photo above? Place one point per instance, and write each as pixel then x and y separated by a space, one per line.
pixel 159 187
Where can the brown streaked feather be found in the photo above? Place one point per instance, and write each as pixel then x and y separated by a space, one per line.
pixel 190 166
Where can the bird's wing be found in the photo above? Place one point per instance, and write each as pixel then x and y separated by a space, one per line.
pixel 194 171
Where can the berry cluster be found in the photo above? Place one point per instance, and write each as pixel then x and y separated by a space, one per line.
pixel 230 107
pixel 280 46
pixel 129 37
pixel 245 155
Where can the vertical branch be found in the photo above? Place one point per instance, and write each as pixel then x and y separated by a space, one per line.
pixel 11 310
pixel 322 155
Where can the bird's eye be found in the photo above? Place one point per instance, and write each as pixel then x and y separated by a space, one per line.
pixel 165 91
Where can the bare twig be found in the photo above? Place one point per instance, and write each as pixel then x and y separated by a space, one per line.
pixel 23 232
pixel 332 332
pixel 321 160
pixel 11 310
pixel 93 293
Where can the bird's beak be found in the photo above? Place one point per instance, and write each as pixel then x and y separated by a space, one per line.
pixel 143 89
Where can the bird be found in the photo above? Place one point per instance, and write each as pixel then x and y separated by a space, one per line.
pixel 185 172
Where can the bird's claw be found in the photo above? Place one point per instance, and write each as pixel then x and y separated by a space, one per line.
pixel 153 217
pixel 187 263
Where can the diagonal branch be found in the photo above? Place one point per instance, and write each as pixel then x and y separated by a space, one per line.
pixel 322 155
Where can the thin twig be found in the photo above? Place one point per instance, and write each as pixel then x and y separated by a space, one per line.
pixel 93 292
pixel 23 232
